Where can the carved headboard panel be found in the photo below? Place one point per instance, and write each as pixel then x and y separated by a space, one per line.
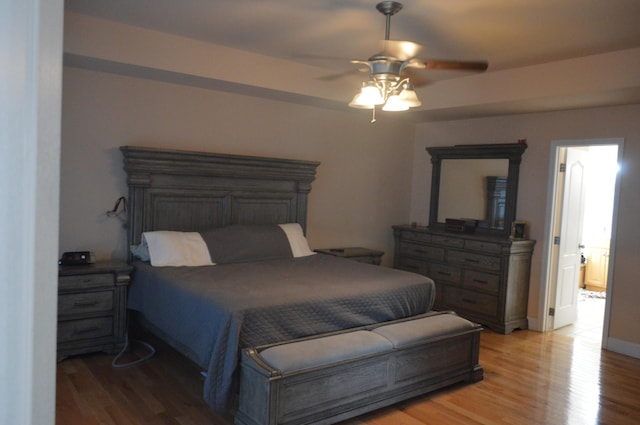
pixel 192 191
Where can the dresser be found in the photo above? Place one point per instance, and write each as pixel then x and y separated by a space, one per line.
pixel 92 303
pixel 483 278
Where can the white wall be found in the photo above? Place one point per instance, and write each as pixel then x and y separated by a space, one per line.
pixel 30 83
pixel 540 130
pixel 362 186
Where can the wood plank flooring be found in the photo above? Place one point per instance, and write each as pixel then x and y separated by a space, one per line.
pixel 530 378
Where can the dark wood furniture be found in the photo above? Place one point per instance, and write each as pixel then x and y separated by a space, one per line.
pixel 92 302
pixel 363 255
pixel 196 191
pixel 189 191
pixel 512 156
pixel 483 275
pixel 332 377
pixel 482 278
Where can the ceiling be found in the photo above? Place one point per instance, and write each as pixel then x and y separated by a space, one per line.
pixel 513 36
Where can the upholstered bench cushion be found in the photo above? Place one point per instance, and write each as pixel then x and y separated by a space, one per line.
pixel 310 353
pixel 414 331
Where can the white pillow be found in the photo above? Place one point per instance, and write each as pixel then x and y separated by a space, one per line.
pixel 167 248
pixel 297 241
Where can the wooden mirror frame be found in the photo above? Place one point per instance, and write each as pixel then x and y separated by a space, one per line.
pixel 511 151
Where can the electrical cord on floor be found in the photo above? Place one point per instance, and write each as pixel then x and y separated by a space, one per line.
pixel 151 353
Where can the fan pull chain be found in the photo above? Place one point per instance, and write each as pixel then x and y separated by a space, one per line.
pixel 373 116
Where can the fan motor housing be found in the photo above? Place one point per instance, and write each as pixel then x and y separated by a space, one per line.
pixel 386 67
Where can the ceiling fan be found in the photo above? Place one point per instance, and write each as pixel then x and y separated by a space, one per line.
pixel 391 70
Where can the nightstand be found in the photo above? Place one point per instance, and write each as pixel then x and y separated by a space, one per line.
pixel 363 255
pixel 92 308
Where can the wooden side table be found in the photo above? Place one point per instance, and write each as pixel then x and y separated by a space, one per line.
pixel 92 308
pixel 363 255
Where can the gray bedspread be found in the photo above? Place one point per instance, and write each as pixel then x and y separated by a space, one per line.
pixel 211 312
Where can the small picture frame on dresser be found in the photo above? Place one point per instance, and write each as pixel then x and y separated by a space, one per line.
pixel 519 230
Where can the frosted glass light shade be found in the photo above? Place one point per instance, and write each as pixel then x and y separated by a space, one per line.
pixel 409 97
pixel 395 103
pixel 368 97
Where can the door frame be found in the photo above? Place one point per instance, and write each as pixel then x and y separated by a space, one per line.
pixel 544 320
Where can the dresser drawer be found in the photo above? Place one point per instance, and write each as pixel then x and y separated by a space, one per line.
pixel 442 273
pixel 412 265
pixel 85 281
pixel 422 251
pixel 74 330
pixel 481 281
pixel 415 236
pixel 86 302
pixel 488 262
pixel 472 302
pixel 483 246
pixel 448 241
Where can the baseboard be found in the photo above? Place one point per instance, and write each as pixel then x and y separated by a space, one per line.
pixel 623 347
pixel 534 325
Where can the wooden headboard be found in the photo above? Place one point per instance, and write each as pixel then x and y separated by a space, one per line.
pixel 193 191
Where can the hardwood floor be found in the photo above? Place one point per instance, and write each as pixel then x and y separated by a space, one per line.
pixel 530 378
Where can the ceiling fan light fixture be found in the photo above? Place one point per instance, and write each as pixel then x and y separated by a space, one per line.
pixel 409 96
pixel 395 103
pixel 368 97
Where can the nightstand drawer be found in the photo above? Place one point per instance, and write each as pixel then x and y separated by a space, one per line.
pixel 85 281
pixel 481 281
pixel 74 330
pixel 86 302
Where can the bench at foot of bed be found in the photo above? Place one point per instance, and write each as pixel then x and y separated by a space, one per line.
pixel 332 377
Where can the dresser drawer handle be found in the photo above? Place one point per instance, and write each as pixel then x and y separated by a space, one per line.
pixel 482 282
pixel 85 304
pixel 471 260
pixel 444 273
pixel 85 330
pixel 469 301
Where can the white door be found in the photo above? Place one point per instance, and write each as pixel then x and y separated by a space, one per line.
pixel 571 220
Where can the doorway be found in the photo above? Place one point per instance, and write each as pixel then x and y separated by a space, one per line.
pixel 580 228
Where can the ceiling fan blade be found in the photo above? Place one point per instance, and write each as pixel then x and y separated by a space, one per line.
pixel 451 65
pixel 417 79
pixel 399 49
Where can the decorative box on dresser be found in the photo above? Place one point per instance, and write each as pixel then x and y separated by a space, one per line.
pixel 482 278
pixel 92 303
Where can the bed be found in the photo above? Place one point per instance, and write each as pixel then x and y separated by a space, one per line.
pixel 261 283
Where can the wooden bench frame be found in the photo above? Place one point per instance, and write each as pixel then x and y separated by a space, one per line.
pixel 341 390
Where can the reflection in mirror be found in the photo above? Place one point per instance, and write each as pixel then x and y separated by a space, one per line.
pixel 473 189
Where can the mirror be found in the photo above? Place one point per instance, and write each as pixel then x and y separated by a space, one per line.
pixel 475 182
